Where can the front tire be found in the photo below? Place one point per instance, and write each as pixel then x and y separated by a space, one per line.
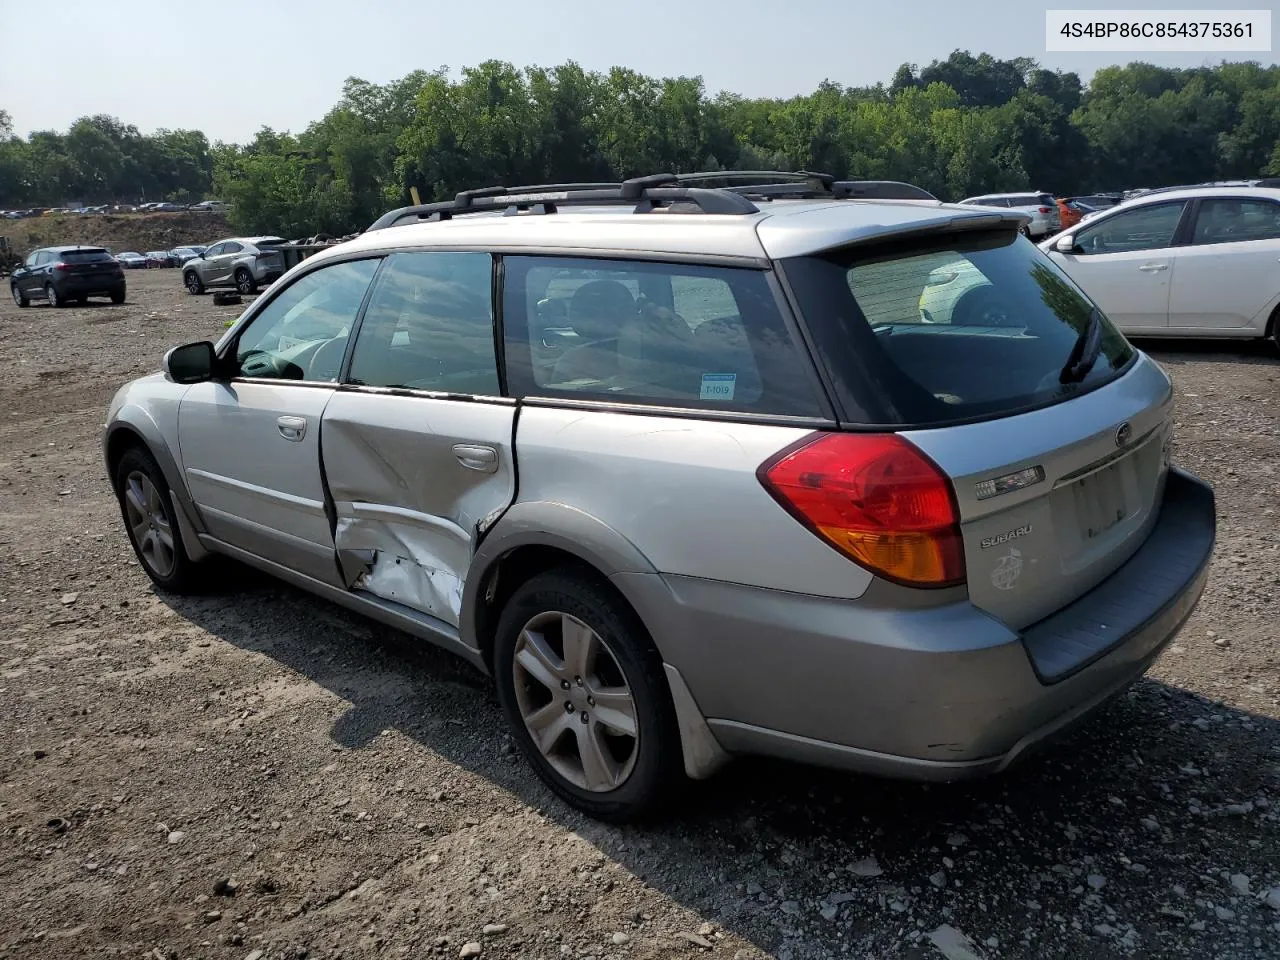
pixel 245 283
pixel 18 298
pixel 51 294
pixel 148 512
pixel 582 687
pixel 193 283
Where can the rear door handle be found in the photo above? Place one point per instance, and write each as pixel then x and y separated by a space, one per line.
pixel 1153 267
pixel 476 456
pixel 292 428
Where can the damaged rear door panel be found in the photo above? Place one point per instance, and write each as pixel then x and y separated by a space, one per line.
pixel 417 443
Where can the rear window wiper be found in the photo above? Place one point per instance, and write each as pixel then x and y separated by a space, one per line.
pixel 1085 351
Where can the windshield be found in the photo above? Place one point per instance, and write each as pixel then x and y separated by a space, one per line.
pixel 967 327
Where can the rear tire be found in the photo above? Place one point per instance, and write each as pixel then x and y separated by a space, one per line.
pixel 592 764
pixel 117 298
pixel 245 283
pixel 147 508
pixel 51 294
pixel 18 298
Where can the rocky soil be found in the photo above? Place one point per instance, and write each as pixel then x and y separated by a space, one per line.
pixel 257 775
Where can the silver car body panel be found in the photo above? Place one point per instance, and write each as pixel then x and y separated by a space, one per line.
pixel 684 492
pixel 256 483
pixel 415 479
pixel 1035 548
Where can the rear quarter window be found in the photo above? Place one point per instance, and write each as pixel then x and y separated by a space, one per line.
pixel 663 334
pixel 964 328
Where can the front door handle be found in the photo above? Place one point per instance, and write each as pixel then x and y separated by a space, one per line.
pixel 1153 267
pixel 292 428
pixel 476 456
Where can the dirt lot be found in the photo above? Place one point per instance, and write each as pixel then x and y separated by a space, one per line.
pixel 358 792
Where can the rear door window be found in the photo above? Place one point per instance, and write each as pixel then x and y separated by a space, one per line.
pixel 665 334
pixel 429 326
pixel 1232 221
pixel 964 328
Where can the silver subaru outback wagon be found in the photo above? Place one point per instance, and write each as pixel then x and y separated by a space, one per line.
pixel 769 464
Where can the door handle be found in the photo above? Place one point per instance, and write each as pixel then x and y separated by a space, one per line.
pixel 476 456
pixel 292 428
pixel 1153 267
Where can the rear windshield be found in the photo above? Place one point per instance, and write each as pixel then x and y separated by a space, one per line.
pixel 83 255
pixel 665 334
pixel 970 327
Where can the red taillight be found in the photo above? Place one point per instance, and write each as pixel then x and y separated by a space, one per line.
pixel 61 266
pixel 875 498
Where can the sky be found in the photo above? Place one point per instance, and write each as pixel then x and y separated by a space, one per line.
pixel 230 67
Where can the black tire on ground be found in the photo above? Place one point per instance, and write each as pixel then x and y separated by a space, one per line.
pixel 244 281
pixel 18 298
pixel 117 297
pixel 191 280
pixel 658 770
pixel 136 464
pixel 1273 328
pixel 51 294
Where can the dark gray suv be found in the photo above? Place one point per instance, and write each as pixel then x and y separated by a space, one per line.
pixel 63 275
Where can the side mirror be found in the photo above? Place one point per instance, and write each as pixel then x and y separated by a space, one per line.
pixel 190 363
pixel 1065 243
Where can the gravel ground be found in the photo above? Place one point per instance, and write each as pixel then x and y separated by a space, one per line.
pixel 258 775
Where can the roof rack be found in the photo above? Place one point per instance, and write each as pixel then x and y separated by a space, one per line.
pixel 659 191
pixel 770 184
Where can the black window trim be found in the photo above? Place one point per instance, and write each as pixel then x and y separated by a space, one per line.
pixel 826 416
pixel 1198 202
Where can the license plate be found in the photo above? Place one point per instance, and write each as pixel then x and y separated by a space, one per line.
pixel 1099 501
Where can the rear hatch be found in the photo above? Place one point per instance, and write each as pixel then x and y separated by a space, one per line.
pixel 969 345
pixel 269 254
pixel 88 263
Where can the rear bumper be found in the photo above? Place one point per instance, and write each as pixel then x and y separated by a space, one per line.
pixel 77 287
pixel 943 692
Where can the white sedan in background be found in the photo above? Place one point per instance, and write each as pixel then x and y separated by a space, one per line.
pixel 1200 262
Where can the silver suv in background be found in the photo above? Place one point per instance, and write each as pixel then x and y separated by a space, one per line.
pixel 691 474
pixel 241 262
pixel 1042 208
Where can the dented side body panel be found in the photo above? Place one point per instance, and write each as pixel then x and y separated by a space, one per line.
pixel 414 478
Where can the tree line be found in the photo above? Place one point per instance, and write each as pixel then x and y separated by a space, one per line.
pixel 956 127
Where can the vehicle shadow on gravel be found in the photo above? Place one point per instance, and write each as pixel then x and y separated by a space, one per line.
pixel 1153 827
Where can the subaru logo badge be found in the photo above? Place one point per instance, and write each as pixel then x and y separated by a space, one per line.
pixel 1123 432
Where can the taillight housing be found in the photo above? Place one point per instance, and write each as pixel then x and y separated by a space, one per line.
pixel 1045 209
pixel 61 266
pixel 877 499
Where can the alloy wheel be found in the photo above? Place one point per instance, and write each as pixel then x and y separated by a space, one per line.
pixel 149 523
pixel 575 702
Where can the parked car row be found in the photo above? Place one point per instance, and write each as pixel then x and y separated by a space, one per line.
pixel 132 260
pixel 204 206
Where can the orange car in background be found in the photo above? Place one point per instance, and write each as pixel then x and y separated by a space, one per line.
pixel 1069 216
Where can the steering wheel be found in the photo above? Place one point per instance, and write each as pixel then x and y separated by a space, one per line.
pixel 326 360
pixel 983 307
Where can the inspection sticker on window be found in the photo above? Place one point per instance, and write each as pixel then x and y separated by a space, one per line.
pixel 718 386
pixel 288 343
